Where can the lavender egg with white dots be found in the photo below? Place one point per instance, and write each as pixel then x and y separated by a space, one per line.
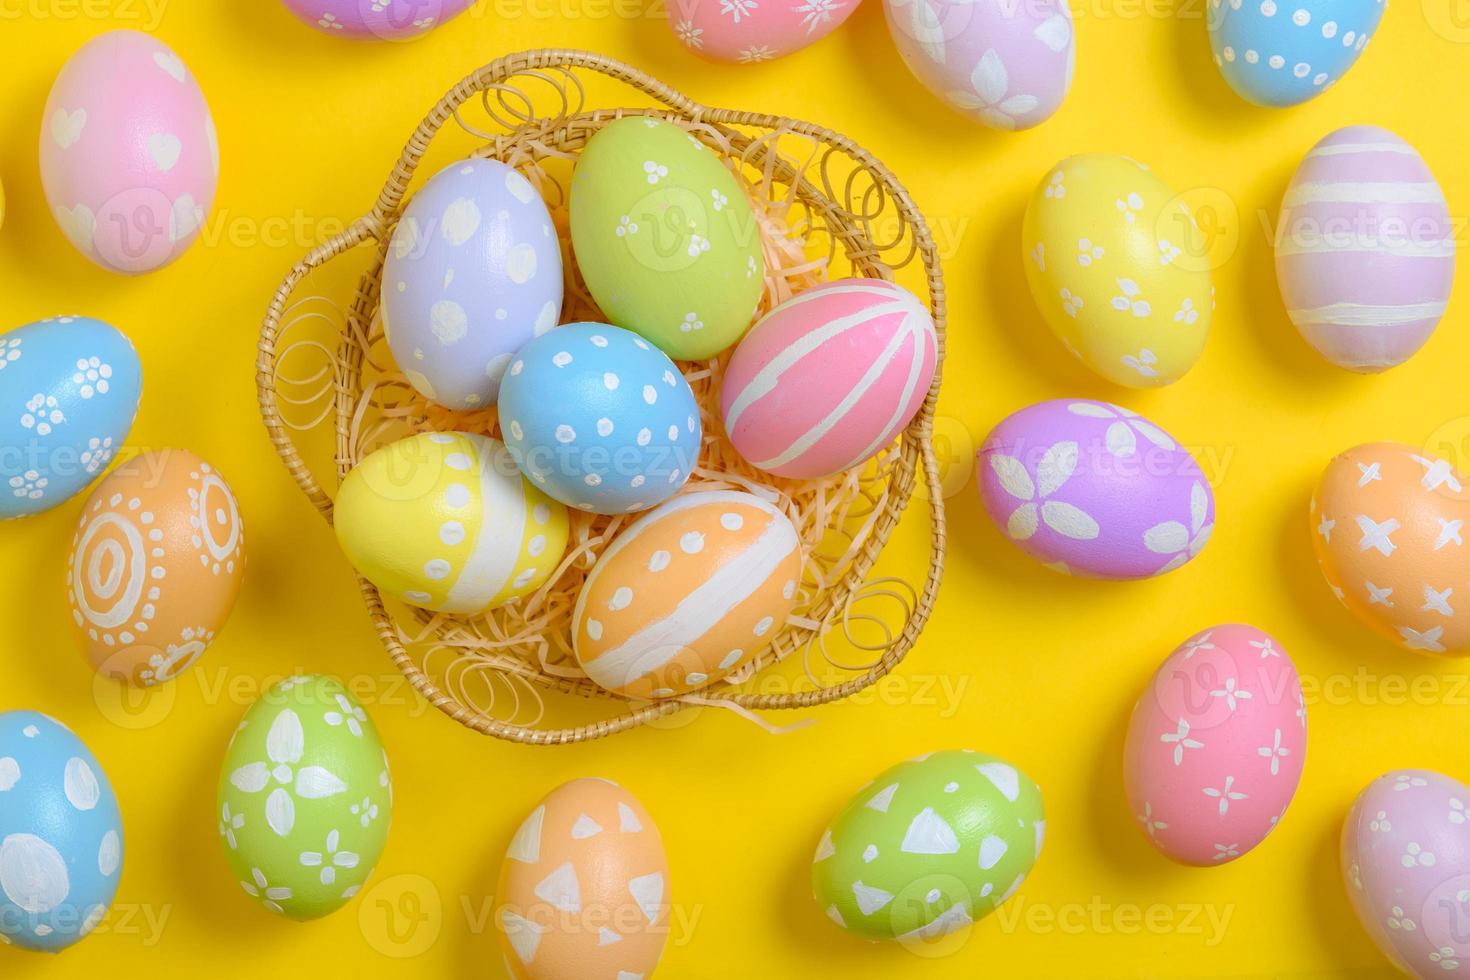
pixel 600 419
pixel 473 272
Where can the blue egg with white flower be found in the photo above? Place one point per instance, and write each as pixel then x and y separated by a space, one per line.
pixel 600 419
pixel 1284 52
pixel 61 835
pixel 69 390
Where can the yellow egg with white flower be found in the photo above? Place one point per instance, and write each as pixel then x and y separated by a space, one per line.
pixel 1117 265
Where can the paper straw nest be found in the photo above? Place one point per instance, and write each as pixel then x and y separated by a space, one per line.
pixel 827 208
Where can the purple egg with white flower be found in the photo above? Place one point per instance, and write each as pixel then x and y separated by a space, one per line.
pixel 473 274
pixel 1008 65
pixel 381 20
pixel 1093 489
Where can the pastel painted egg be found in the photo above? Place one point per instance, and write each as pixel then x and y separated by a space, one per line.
pixel 1216 746
pixel 305 798
pixel 1004 64
pixel 687 594
pixel 473 273
pixel 1088 488
pixel 1406 863
pixel 584 890
pixel 1386 524
pixel 1104 240
pixel 383 20
pixel 1284 54
pixel 748 32
pixel 61 835
pixel 929 847
pixel 666 238
pixel 1366 251
pixel 600 419
pixel 829 378
pixel 72 386
pixel 155 566
pixel 129 154
pixel 443 520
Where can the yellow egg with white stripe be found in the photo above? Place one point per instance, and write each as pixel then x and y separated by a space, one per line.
pixel 445 521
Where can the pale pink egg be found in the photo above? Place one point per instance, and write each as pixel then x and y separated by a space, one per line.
pixel 129 155
pixel 829 378
pixel 751 31
pixel 1216 745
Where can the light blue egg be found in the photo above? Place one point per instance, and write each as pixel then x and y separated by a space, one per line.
pixel 69 389
pixel 1283 52
pixel 61 835
pixel 600 419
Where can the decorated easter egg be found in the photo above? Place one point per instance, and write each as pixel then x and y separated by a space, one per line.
pixel 129 155
pixel 748 32
pixel 383 20
pixel 1284 55
pixel 584 890
pixel 1386 525
pixel 1406 862
pixel 1104 240
pixel 929 847
pixel 1088 488
pixel 600 419
pixel 445 521
pixel 1365 253
pixel 827 379
pixel 687 593
pixel 155 566
pixel 61 835
pixel 472 274
pixel 71 386
pixel 305 798
pixel 1005 64
pixel 666 238
pixel 1216 745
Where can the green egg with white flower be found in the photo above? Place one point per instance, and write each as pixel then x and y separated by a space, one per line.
pixel 666 238
pixel 930 847
pixel 305 798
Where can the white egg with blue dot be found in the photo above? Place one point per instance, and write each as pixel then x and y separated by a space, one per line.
pixel 69 390
pixel 600 419
pixel 61 835
pixel 1284 52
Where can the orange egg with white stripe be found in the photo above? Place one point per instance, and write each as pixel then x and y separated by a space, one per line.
pixel 687 594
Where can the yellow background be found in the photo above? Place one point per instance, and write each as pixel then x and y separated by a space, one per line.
pixel 1017 661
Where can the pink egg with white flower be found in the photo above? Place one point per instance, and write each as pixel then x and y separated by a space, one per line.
pixel 1006 64
pixel 129 154
pixel 752 31
pixel 1216 745
pixel 829 378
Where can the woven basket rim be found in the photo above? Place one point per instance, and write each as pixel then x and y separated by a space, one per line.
pixel 917 455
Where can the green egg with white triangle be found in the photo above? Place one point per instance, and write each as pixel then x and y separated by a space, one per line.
pixel 929 847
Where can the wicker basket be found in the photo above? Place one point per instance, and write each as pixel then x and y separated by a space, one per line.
pixel 827 207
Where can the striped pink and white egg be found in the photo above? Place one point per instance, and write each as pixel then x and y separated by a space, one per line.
pixel 829 378
pixel 1365 252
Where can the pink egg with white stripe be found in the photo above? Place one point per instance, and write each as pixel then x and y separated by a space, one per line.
pixel 829 378
pixel 1365 251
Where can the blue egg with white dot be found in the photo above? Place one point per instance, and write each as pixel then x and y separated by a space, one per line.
pixel 1283 52
pixel 600 419
pixel 69 390
pixel 61 835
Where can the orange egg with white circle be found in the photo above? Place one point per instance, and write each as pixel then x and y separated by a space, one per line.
pixel 584 890
pixel 686 594
pixel 155 566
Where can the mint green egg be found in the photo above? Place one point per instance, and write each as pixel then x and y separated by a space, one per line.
pixel 929 847
pixel 305 798
pixel 666 238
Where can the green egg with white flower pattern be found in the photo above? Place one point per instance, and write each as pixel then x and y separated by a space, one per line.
pixel 666 238
pixel 305 798
pixel 929 847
